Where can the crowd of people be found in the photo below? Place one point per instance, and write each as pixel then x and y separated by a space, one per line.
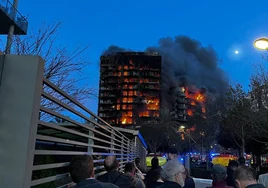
pixel 237 174
pixel 172 175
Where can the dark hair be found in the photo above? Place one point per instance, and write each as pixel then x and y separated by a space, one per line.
pixel 81 168
pixel 129 167
pixel 155 162
pixel 173 150
pixel 110 165
pixel 233 163
pixel 244 173
pixel 242 160
pixel 137 160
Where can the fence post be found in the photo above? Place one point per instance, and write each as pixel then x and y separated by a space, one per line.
pixel 129 151
pixel 90 133
pixel 20 93
pixel 112 142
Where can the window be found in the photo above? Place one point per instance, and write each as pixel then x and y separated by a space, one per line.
pixel 130 93
pixel 124 93
pixel 125 73
pixel 125 100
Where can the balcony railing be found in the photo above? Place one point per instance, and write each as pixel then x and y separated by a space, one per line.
pixel 7 7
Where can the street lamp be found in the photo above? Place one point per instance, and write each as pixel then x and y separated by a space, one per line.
pixel 261 43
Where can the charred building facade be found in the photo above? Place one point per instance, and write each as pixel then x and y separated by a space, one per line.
pixel 129 88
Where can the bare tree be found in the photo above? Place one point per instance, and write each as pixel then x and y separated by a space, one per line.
pixel 259 99
pixel 160 129
pixel 62 67
pixel 239 118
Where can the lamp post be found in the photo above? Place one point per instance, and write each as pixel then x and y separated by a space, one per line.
pixel 261 43
pixel 11 28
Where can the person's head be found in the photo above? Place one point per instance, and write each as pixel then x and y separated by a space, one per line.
pixel 156 174
pixel 242 160
pixel 110 163
pixel 244 176
pixel 233 164
pixel 172 153
pixel 130 168
pixel 138 161
pixel 155 163
pixel 219 173
pixel 81 168
pixel 174 171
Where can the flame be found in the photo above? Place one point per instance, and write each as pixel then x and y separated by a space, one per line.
pixel 190 112
pixel 193 103
pixel 144 114
pixel 183 89
pixel 124 121
pixel 203 110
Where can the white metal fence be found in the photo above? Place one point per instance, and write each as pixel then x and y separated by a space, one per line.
pixel 66 128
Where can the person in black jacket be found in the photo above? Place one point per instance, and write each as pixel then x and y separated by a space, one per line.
pixel 82 173
pixel 156 178
pixel 232 166
pixel 155 165
pixel 189 182
pixel 114 176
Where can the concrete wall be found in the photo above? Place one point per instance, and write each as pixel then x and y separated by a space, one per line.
pixel 20 92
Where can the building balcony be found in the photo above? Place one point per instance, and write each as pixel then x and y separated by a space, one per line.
pixel 10 16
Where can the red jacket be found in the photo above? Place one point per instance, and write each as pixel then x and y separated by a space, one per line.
pixel 219 184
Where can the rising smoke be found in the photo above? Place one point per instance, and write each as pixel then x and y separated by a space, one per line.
pixel 186 62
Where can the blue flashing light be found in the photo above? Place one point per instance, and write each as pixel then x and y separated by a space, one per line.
pixel 181 159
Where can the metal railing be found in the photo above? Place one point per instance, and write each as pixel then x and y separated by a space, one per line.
pixel 66 129
pixel 42 128
pixel 14 14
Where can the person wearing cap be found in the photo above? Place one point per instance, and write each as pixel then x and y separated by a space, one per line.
pixel 219 174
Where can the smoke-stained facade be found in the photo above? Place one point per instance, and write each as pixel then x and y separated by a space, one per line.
pixel 130 84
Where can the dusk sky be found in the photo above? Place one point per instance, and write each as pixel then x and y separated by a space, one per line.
pixel 226 25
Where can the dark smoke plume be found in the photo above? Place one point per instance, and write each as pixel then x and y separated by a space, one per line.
pixel 186 62
pixel 114 49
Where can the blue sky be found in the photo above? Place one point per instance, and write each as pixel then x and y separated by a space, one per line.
pixel 226 25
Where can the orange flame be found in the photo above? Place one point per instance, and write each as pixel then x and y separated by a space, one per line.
pixel 193 103
pixel 190 113
pixel 124 121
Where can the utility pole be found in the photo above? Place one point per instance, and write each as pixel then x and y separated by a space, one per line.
pixel 11 28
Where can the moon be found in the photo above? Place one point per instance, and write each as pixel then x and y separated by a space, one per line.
pixel 236 52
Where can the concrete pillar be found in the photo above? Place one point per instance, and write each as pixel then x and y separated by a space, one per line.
pixel 20 94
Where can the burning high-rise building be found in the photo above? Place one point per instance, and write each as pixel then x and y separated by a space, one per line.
pixel 129 87
pixel 195 101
